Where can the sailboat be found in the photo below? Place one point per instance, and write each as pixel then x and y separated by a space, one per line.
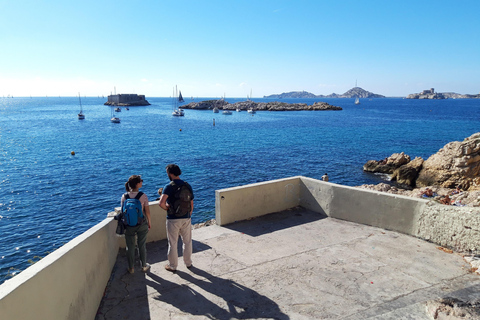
pixel 357 101
pixel 177 112
pixel 81 116
pixel 114 118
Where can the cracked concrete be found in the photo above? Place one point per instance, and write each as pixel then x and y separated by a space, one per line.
pixel 295 264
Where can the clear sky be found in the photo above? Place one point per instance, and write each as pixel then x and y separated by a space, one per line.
pixel 212 48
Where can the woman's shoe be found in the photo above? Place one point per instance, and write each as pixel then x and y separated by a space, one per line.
pixel 146 268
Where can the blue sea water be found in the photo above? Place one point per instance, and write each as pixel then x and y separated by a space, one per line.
pixel 48 196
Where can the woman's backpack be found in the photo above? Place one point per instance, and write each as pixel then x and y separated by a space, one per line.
pixel 132 210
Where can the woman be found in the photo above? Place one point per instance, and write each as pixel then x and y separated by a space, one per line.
pixel 132 186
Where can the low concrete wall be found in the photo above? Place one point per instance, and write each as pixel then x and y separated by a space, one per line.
pixel 66 284
pixel 453 227
pixel 379 209
pixel 241 203
pixel 69 283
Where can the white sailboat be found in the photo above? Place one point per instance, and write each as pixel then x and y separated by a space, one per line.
pixel 81 116
pixel 114 119
pixel 357 101
pixel 177 112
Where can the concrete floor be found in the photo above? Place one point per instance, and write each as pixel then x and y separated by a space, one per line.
pixel 295 264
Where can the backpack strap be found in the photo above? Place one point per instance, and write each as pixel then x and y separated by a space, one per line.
pixel 140 193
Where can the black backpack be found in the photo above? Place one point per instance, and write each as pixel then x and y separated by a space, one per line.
pixel 180 203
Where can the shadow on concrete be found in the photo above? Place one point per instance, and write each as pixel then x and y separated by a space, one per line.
pixel 157 251
pixel 276 221
pixel 121 290
pixel 242 302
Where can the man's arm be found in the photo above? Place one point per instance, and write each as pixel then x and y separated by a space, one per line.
pixel 163 202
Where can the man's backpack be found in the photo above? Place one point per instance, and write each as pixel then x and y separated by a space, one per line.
pixel 132 210
pixel 180 204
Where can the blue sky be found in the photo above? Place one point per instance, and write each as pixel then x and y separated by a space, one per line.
pixel 212 48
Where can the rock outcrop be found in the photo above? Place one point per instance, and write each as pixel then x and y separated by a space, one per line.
pixel 407 174
pixel 457 163
pixel 259 106
pixel 388 165
pixel 450 308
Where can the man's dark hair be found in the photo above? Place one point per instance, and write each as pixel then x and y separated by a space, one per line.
pixel 173 169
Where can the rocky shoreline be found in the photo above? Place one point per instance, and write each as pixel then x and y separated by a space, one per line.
pixel 454 171
pixel 259 106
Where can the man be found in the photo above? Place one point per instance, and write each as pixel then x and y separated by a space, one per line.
pixel 325 177
pixel 178 223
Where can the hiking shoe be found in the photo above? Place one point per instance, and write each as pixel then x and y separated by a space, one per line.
pixel 190 266
pixel 146 268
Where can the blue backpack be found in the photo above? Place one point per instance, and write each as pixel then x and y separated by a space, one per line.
pixel 132 210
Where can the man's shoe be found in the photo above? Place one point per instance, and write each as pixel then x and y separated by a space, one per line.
pixel 168 268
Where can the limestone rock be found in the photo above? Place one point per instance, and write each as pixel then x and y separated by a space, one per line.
pixel 453 309
pixel 457 163
pixel 408 173
pixel 388 165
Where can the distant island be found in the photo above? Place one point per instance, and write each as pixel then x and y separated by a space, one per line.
pixel 126 100
pixel 431 94
pixel 258 106
pixel 355 92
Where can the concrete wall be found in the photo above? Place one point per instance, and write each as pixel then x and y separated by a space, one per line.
pixel 241 203
pixel 453 227
pixel 392 212
pixel 69 283
pixel 379 209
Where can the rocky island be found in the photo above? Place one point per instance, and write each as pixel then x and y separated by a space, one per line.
pixel 355 92
pixel 431 94
pixel 258 106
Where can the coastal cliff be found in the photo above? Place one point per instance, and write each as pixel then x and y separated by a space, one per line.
pixel 355 92
pixel 259 106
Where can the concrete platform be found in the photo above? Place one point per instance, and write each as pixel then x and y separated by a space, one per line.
pixel 295 264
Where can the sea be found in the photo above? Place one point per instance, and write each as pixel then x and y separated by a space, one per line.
pixel 59 176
